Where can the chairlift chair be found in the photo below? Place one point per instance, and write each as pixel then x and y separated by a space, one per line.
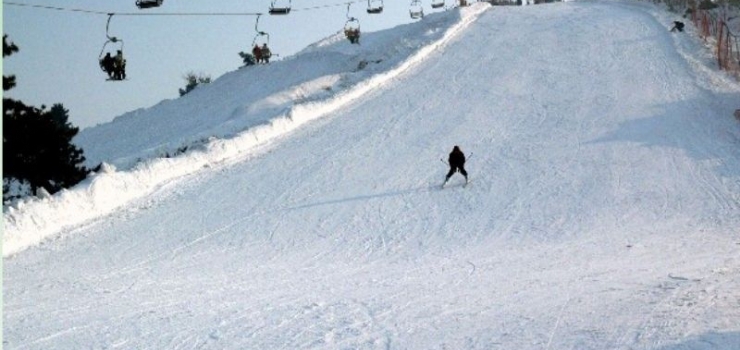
pixel 438 4
pixel 111 40
pixel 352 30
pixel 280 10
pixel 260 51
pixel 417 10
pixel 261 39
pixel 145 4
pixel 352 27
pixel 374 6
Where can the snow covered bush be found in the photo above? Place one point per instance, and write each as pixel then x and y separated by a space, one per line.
pixel 193 80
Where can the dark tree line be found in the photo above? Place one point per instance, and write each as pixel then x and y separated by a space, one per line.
pixel 37 143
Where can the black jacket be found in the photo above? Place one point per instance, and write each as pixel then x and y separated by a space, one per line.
pixel 457 158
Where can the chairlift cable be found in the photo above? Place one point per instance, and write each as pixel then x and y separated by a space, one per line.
pixel 329 5
pixel 190 14
pixel 55 8
pixel 94 12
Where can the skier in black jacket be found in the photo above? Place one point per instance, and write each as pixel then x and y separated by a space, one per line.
pixel 457 163
pixel 677 26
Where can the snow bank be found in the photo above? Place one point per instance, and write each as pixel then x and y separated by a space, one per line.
pixel 224 120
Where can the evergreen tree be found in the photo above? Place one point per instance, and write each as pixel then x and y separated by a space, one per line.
pixel 193 80
pixel 37 144
pixel 247 58
pixel 8 49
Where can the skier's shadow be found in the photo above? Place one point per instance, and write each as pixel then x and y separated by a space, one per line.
pixel 367 197
pixel 727 340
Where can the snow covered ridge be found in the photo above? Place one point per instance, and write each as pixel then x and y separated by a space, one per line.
pixel 226 119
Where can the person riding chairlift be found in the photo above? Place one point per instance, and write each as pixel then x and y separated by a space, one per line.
pixel 257 53
pixel 119 66
pixel 353 34
pixel 108 64
pixel 265 53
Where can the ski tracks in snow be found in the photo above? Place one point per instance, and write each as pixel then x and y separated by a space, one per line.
pixel 333 238
pixel 681 303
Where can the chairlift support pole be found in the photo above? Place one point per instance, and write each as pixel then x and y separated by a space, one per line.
pixel 350 18
pixel 256 25
pixel 258 31
pixel 113 39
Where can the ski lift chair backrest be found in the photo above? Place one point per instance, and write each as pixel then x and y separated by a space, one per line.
pixel 145 4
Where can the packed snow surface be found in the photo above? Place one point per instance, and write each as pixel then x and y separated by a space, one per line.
pixel 300 206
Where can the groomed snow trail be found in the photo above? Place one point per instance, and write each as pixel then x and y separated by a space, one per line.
pixel 603 213
pixel 224 120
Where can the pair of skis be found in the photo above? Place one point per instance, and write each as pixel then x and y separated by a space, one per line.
pixel 467 182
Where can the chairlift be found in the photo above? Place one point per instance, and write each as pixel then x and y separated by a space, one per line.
pixel 417 10
pixel 260 44
pixel 114 67
pixel 260 38
pixel 145 4
pixel 352 28
pixel 280 10
pixel 438 3
pixel 374 6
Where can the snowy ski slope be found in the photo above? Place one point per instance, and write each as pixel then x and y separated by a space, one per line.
pixel 603 212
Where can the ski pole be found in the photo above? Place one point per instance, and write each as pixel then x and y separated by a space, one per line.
pixel 468 158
